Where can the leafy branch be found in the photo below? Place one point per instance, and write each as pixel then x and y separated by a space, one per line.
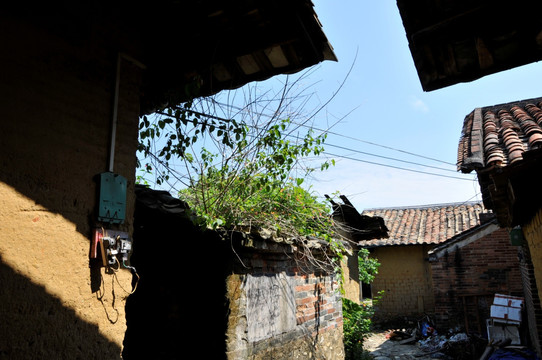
pixel 245 172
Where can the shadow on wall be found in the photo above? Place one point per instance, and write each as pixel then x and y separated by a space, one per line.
pixel 55 148
pixel 45 329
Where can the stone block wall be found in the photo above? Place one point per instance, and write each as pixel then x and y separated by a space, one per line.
pixel 466 278
pixel 244 298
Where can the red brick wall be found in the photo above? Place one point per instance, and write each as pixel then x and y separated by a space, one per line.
pixel 466 278
pixel 312 308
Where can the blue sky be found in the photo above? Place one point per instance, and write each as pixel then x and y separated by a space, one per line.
pixel 383 103
pixel 380 114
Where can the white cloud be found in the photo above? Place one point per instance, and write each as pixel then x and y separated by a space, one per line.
pixel 418 105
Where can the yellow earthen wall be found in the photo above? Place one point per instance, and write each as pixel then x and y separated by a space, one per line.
pixel 351 285
pixel 405 277
pixel 533 235
pixel 56 109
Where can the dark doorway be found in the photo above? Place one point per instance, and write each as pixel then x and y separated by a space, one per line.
pixel 366 291
pixel 179 303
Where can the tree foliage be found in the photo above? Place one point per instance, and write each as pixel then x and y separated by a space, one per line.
pixel 242 168
pixel 368 266
pixel 247 166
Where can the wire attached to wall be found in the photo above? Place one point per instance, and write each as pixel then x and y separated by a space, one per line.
pixel 132 269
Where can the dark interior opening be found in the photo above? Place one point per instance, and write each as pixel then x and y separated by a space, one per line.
pixel 180 301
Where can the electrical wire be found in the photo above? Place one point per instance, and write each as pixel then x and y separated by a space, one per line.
pixel 127 267
pixel 379 156
pixel 388 158
pixel 395 167
pixel 134 271
pixel 322 131
pixel 352 138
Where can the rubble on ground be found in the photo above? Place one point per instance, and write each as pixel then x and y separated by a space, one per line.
pixel 457 344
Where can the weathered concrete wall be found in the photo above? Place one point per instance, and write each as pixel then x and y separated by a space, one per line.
pixel 466 279
pixel 56 102
pixel 405 277
pixel 283 311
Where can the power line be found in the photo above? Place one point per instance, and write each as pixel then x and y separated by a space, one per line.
pixel 349 137
pixel 354 150
pixel 388 158
pixel 395 167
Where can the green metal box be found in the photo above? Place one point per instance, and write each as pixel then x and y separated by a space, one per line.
pixel 112 198
pixel 516 236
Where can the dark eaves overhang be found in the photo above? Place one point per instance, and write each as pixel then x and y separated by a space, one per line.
pixel 460 41
pixel 187 48
pixel 198 48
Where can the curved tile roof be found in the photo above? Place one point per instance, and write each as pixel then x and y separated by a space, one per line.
pixel 425 224
pixel 499 135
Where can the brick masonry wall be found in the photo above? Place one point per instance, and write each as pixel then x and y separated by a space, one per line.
pixel 318 302
pixel 466 278
pixel 405 277
pixel 308 324
pixel 56 100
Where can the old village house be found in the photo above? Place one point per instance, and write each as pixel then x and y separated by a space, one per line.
pixel 76 77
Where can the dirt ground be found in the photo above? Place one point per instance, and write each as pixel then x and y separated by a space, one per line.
pixel 382 348
pixel 456 346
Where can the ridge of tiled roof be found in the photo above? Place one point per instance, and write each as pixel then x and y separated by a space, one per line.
pixel 465 237
pixel 499 135
pixel 425 224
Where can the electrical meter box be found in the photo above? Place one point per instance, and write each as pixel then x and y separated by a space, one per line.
pixel 516 236
pixel 112 198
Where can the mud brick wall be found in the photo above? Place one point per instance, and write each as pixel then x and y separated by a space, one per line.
pixel 533 234
pixel 352 284
pixel 466 278
pixel 56 102
pixel 405 278
pixel 531 269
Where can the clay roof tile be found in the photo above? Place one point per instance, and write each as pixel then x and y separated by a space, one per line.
pixel 508 131
pixel 425 224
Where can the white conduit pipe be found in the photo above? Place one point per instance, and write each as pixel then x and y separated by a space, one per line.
pixel 137 63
